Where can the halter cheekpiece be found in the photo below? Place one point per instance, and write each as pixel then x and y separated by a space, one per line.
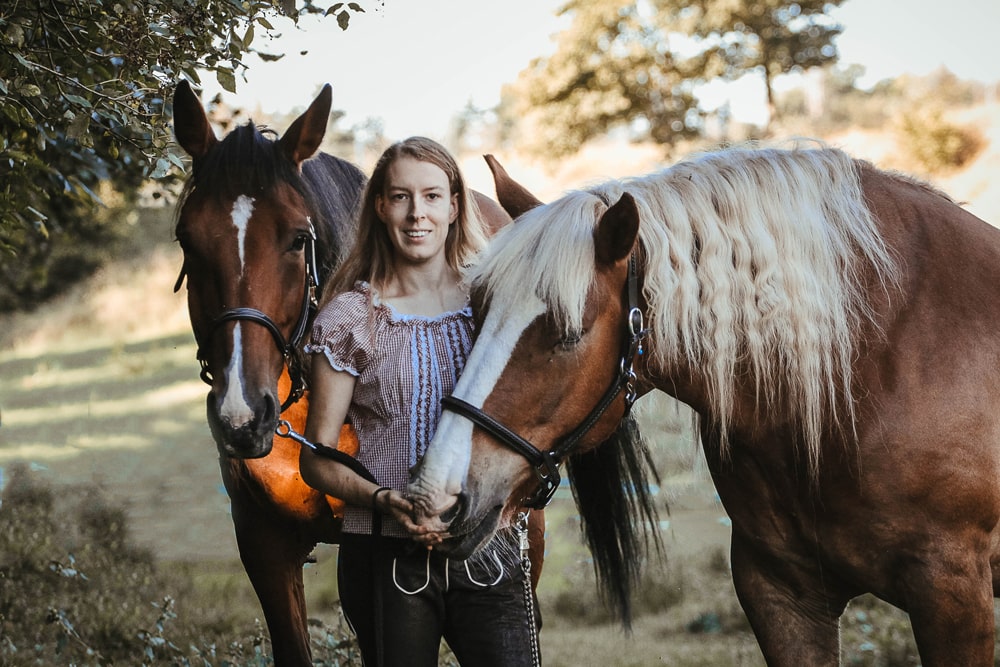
pixel 286 347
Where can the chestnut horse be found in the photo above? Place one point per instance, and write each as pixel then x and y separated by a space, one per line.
pixel 834 326
pixel 262 223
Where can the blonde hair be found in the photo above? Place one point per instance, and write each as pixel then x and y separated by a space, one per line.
pixel 370 256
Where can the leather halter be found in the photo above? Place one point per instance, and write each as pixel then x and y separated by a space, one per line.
pixel 287 347
pixel 546 464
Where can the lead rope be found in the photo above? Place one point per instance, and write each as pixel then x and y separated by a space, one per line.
pixel 529 599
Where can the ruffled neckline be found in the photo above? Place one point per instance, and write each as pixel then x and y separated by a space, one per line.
pixel 394 315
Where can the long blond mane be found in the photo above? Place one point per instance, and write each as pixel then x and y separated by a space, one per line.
pixel 753 266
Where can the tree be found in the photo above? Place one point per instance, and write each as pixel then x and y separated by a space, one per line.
pixel 84 101
pixel 638 64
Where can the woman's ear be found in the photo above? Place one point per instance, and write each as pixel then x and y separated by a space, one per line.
pixel 453 215
pixel 379 208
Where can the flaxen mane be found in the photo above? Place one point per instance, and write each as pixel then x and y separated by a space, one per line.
pixel 752 263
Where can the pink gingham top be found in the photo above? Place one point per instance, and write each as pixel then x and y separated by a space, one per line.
pixel 404 365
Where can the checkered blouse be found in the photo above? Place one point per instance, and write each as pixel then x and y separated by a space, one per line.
pixel 404 365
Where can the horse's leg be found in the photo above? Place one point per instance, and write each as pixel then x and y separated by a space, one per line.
pixel 273 555
pixel 795 623
pixel 950 603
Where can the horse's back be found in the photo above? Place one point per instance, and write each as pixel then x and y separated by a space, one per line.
pixel 493 215
pixel 337 186
pixel 945 305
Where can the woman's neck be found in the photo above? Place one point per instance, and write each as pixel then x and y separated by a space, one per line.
pixel 424 290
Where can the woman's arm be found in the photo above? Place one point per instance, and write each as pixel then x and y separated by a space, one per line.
pixel 330 394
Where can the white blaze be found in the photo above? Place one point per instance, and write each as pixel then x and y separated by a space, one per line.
pixel 242 212
pixel 447 460
pixel 234 404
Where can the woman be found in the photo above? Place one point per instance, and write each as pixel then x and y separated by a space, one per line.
pixel 386 349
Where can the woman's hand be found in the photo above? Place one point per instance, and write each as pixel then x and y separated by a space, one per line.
pixel 396 505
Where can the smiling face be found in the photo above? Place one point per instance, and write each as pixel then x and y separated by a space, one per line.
pixel 418 209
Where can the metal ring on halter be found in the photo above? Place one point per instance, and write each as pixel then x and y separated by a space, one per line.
pixel 479 583
pixel 426 582
pixel 636 323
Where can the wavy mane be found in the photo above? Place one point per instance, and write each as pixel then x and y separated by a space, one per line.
pixel 753 266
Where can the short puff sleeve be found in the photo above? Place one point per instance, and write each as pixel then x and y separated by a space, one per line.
pixel 343 331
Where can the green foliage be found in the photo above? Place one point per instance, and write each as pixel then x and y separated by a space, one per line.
pixel 843 105
pixel 935 144
pixel 74 589
pixel 637 64
pixel 84 90
pixel 80 238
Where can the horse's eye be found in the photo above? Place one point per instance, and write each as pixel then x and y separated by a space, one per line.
pixel 300 242
pixel 570 341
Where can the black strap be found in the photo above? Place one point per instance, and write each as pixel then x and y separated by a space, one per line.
pixel 343 458
pixel 286 347
pixel 507 436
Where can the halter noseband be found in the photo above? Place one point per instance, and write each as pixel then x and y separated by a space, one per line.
pixel 546 464
pixel 286 347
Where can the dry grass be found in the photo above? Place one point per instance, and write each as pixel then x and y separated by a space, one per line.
pixel 129 300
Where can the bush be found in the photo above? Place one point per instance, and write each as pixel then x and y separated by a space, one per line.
pixel 937 145
pixel 75 589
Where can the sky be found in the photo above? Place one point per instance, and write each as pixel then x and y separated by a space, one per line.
pixel 417 63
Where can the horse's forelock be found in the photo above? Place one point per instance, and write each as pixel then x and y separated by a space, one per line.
pixel 248 161
pixel 549 254
pixel 245 161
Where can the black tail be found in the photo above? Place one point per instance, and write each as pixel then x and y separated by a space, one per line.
pixel 611 487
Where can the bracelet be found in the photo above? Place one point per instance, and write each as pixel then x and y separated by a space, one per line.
pixel 375 496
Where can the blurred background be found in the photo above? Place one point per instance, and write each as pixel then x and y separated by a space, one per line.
pixel 115 537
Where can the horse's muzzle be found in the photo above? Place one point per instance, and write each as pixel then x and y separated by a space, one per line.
pixel 250 440
pixel 468 534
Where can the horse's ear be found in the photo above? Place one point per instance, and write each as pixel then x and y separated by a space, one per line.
pixel 304 136
pixel 616 231
pixel 513 196
pixel 191 127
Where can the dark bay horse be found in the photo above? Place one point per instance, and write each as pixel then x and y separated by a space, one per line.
pixel 262 223
pixel 260 226
pixel 835 327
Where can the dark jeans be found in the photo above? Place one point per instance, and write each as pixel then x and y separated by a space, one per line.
pixel 400 600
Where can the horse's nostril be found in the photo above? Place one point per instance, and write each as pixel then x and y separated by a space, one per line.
pixel 455 511
pixel 269 414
